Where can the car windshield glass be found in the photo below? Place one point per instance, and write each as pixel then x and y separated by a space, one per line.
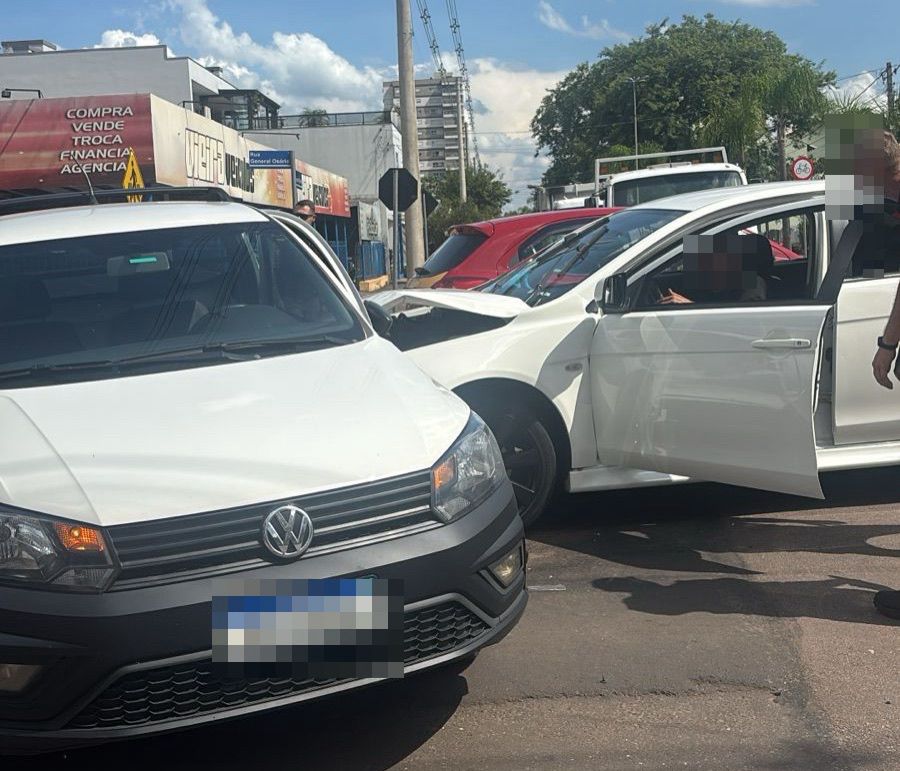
pixel 452 252
pixel 634 191
pixel 102 306
pixel 558 269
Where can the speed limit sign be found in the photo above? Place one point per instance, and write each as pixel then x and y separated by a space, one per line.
pixel 802 168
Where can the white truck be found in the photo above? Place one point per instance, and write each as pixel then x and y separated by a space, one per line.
pixel 681 171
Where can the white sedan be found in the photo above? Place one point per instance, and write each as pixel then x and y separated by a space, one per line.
pixel 668 342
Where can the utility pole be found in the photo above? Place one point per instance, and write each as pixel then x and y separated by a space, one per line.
pixel 415 248
pixel 462 145
pixel 889 74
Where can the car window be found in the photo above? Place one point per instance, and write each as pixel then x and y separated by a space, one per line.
pixel 547 235
pixel 458 246
pixel 634 191
pixel 560 268
pixel 761 261
pixel 110 298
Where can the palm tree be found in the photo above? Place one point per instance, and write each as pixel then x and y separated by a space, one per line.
pixel 737 123
pixel 792 99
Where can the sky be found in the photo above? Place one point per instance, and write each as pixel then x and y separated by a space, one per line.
pixel 335 55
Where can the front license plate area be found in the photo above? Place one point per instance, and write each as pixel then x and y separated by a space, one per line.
pixel 326 629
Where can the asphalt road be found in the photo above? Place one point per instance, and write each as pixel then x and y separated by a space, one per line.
pixel 692 627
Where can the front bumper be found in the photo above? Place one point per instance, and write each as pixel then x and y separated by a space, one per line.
pixel 137 662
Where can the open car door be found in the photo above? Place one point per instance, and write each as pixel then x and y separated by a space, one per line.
pixel 724 394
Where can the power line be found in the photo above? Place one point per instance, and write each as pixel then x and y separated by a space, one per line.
pixel 463 73
pixel 432 39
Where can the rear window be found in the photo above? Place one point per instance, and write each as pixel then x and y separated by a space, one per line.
pixel 634 191
pixel 453 251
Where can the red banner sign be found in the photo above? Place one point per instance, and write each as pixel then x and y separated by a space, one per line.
pixel 46 143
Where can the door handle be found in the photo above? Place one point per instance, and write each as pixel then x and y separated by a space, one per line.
pixel 795 343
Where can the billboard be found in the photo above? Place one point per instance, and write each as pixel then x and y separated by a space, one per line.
pixel 52 143
pixel 193 150
pixel 328 191
pixel 48 144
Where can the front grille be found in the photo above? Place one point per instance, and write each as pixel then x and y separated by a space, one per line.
pixel 196 545
pixel 197 688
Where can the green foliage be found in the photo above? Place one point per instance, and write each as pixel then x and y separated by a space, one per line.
pixel 486 195
pixel 702 81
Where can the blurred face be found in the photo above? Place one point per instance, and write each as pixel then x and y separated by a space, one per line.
pixel 857 169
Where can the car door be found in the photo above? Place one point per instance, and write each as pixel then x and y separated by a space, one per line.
pixel 864 412
pixel 322 251
pixel 715 390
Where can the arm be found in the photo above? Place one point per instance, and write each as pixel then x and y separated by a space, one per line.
pixel 881 364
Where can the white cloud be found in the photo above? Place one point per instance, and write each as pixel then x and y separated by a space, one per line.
pixel 510 96
pixel 298 67
pixel 597 30
pixel 861 88
pixel 299 70
pixel 120 38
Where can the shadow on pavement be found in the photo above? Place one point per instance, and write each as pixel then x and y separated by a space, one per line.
pixel 676 529
pixel 834 599
pixel 368 730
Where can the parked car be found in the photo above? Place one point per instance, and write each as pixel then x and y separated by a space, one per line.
pixel 475 253
pixel 201 433
pixel 591 373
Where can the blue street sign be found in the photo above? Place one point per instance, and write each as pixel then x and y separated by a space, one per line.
pixel 270 159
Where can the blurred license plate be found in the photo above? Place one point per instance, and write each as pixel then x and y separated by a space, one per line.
pixel 320 628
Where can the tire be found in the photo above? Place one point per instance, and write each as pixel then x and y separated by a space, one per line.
pixel 529 456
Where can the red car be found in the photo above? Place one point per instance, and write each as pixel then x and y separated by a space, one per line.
pixel 473 254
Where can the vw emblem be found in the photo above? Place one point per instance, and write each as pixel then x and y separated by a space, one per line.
pixel 287 532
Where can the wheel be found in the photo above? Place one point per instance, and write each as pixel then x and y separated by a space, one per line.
pixel 529 456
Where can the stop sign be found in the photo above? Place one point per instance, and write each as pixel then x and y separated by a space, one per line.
pixel 407 189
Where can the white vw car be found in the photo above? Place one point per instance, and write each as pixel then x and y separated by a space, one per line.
pixel 709 336
pixel 220 491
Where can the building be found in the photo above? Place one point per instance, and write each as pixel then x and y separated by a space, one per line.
pixel 185 122
pixel 360 146
pixel 440 124
pixel 27 66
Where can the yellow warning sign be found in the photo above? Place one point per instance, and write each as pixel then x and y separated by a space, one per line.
pixel 133 177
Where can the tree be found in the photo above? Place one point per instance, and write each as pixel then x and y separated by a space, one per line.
pixel 486 195
pixel 792 99
pixel 688 71
pixel 315 116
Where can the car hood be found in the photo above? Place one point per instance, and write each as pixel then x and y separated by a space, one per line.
pixel 482 303
pixel 129 449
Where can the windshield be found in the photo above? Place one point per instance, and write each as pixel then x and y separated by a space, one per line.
pixel 88 306
pixel 562 267
pixel 634 191
pixel 452 252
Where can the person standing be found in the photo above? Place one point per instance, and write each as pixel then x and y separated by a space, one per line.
pixel 887 601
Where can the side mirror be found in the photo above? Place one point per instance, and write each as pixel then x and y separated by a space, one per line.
pixel 380 318
pixel 612 294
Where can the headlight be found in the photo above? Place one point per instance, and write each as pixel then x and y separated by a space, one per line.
pixel 468 473
pixel 39 550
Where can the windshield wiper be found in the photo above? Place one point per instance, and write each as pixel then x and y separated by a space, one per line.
pixel 580 251
pixel 239 350
pixel 57 369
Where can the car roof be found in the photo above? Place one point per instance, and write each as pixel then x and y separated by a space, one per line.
pixel 734 195
pixel 100 219
pixel 657 171
pixel 521 221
